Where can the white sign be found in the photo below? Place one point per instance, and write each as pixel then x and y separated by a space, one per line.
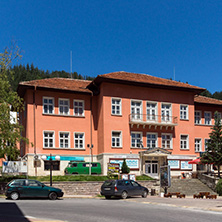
pixel 131 163
pixel 185 166
pixel 174 164
pixel 14 167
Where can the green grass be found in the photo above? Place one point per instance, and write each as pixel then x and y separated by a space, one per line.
pixel 68 178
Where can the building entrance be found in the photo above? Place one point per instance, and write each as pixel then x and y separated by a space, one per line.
pixel 151 168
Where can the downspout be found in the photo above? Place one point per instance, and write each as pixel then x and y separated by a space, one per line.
pixel 34 107
pixel 91 119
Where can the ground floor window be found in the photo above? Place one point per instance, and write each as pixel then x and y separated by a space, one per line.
pixel 55 165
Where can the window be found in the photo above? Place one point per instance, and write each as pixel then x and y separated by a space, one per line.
pixel 206 141
pixel 207 118
pixel 136 110
pixel 116 139
pixel 116 106
pixel 136 139
pixel 184 142
pixel 167 141
pixel 79 140
pixel 48 105
pixel 197 117
pixel 151 111
pixel 78 108
pixel 198 145
pixel 166 113
pixel 48 139
pixel 184 112
pixel 151 139
pixel 64 106
pixel 64 140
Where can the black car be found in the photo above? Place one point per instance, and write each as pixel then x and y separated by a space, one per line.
pixel 123 189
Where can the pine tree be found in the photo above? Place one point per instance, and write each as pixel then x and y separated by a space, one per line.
pixel 125 168
pixel 213 154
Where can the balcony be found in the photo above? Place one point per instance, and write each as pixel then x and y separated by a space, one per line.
pixel 153 120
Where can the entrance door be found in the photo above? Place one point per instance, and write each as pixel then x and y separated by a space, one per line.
pixel 151 168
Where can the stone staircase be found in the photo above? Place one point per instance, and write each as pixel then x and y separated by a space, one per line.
pixel 189 186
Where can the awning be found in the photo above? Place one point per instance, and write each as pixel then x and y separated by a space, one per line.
pixel 196 161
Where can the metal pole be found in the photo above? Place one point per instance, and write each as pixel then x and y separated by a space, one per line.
pixel 50 160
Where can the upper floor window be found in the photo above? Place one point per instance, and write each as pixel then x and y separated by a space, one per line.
pixel 48 139
pixel 116 106
pixel 206 141
pixel 166 112
pixel 151 139
pixel 136 139
pixel 64 140
pixel 64 106
pixel 167 141
pixel 197 117
pixel 184 112
pixel 116 139
pixel 207 118
pixel 78 108
pixel 79 140
pixel 136 110
pixel 151 111
pixel 198 145
pixel 48 105
pixel 184 142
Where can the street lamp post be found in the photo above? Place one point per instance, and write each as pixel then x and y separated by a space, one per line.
pixel 90 159
pixel 44 157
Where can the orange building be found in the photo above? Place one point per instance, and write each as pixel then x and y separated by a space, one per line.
pixel 146 120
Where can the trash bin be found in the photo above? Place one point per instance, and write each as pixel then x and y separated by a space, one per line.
pixel 153 192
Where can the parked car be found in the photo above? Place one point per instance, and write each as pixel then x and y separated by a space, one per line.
pixel 83 168
pixel 123 189
pixel 19 188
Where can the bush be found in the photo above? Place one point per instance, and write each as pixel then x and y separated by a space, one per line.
pixel 125 168
pixel 219 187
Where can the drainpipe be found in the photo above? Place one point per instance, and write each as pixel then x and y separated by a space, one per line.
pixel 34 107
pixel 91 119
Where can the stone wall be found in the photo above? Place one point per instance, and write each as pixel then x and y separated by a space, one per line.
pixel 209 180
pixel 85 188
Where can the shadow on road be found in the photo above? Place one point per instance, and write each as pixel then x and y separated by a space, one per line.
pixel 10 212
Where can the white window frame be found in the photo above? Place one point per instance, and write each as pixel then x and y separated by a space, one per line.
pixel 63 113
pixel 62 138
pixel 152 116
pixel 136 116
pixel 114 106
pixel 116 138
pixel 136 140
pixel 171 140
pixel 152 139
pixel 53 138
pixel 78 133
pixel 166 118
pixel 197 118
pixel 184 114
pixel 206 118
pixel 83 107
pixel 184 142
pixel 198 144
pixel 48 104
pixel 205 143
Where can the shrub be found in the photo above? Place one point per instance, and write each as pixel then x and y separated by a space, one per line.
pixel 219 187
pixel 125 168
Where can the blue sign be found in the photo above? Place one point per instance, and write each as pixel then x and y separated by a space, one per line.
pixel 67 158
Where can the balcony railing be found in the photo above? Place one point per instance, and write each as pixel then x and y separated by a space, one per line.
pixel 156 120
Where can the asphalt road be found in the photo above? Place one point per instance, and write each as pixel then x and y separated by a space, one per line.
pixel 96 210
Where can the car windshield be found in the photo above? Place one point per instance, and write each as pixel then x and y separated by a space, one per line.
pixel 109 183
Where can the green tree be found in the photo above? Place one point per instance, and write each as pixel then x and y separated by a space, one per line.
pixel 213 154
pixel 125 168
pixel 10 130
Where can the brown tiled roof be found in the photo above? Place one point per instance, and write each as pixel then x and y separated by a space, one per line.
pixel 147 79
pixel 207 100
pixel 59 83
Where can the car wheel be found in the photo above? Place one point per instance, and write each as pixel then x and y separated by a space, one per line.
pixel 124 195
pixel 53 196
pixel 14 195
pixel 108 197
pixel 144 194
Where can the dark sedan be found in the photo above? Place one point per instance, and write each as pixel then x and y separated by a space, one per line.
pixel 19 188
pixel 123 189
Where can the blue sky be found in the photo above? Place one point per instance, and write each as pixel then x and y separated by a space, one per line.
pixel 141 36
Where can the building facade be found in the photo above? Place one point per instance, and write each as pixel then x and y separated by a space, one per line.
pixel 146 120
